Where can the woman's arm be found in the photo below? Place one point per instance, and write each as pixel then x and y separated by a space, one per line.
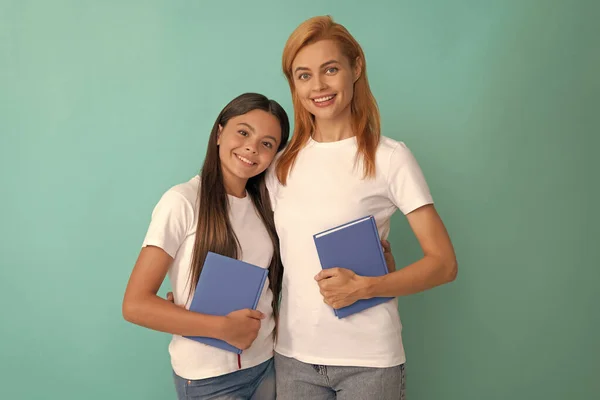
pixel 438 265
pixel 341 287
pixel 142 306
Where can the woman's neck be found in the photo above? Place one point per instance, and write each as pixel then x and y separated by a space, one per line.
pixel 333 130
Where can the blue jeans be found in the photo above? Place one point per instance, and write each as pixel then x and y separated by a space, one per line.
pixel 297 381
pixel 256 383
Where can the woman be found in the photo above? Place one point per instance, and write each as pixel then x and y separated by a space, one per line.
pixel 338 168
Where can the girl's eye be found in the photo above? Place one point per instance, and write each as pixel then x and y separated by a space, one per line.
pixel 243 133
pixel 331 70
pixel 303 77
pixel 268 145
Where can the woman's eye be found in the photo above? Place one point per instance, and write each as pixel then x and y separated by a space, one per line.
pixel 303 77
pixel 243 133
pixel 331 70
pixel 268 145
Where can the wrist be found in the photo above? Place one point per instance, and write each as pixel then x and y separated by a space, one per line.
pixel 212 326
pixel 220 327
pixel 368 285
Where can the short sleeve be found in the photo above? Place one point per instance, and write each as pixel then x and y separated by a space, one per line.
pixel 406 182
pixel 172 219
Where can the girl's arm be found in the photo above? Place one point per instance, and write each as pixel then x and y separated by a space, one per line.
pixel 142 306
pixel 342 287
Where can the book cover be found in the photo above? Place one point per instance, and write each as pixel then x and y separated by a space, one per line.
pixel 355 246
pixel 226 285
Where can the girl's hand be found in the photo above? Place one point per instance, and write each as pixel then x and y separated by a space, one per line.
pixel 241 327
pixel 389 257
pixel 172 299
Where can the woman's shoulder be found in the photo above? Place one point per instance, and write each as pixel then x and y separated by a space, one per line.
pixel 391 149
pixel 389 145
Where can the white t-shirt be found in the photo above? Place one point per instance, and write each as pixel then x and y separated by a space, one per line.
pixel 325 189
pixel 173 228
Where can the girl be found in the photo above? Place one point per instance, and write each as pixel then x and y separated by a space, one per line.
pixel 339 168
pixel 225 210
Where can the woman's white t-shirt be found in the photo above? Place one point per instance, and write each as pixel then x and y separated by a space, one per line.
pixel 173 229
pixel 324 189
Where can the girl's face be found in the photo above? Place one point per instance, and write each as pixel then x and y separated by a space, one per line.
pixel 324 79
pixel 247 144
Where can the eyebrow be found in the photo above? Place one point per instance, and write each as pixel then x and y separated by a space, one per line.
pixel 254 131
pixel 271 137
pixel 248 125
pixel 322 66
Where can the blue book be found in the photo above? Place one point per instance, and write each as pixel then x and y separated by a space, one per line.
pixel 226 285
pixel 355 246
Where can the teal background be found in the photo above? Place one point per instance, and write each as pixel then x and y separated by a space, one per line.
pixel 104 105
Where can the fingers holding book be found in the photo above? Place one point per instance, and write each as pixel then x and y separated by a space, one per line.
pixel 340 287
pixel 240 328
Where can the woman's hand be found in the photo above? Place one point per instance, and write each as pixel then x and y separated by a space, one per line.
pixel 340 287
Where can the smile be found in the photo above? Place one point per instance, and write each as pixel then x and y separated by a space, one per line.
pixel 324 101
pixel 244 160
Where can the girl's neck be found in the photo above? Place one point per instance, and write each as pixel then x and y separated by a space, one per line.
pixel 234 186
pixel 333 130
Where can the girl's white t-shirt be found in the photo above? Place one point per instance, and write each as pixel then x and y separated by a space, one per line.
pixel 325 189
pixel 173 229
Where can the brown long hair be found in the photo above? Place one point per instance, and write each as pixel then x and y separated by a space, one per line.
pixel 213 231
pixel 365 113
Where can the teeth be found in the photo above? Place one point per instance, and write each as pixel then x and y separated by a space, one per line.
pixel 245 160
pixel 322 99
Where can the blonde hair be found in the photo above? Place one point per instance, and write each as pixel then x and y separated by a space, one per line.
pixel 364 110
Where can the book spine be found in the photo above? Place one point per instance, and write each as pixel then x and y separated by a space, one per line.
pixel 316 240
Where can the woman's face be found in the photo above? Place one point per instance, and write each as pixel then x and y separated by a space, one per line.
pixel 324 79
